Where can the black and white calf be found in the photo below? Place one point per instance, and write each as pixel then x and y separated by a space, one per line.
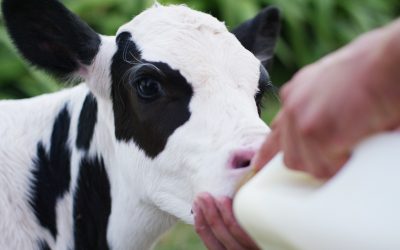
pixel 168 109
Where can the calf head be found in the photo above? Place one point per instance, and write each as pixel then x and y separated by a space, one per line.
pixel 184 92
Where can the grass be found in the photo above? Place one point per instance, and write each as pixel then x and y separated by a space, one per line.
pixel 181 237
pixel 271 108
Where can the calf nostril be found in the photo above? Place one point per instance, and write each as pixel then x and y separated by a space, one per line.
pixel 243 164
pixel 241 159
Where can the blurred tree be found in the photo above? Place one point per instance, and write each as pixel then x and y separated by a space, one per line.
pixel 311 29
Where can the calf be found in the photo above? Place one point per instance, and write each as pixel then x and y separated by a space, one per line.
pixel 168 109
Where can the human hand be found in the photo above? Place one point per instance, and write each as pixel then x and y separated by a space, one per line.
pixel 329 106
pixel 217 226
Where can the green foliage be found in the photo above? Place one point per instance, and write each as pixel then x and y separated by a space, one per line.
pixel 311 29
pixel 181 237
pixel 16 78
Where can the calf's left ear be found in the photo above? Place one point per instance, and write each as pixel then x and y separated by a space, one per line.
pixel 50 36
pixel 259 35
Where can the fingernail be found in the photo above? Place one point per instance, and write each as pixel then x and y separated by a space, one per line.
pixel 221 199
pixel 204 195
pixel 203 199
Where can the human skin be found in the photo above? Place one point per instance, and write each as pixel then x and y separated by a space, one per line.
pixel 328 108
pixel 331 105
pixel 216 225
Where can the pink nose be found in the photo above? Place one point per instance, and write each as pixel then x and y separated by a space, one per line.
pixel 241 158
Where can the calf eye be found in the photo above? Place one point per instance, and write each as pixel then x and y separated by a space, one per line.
pixel 148 89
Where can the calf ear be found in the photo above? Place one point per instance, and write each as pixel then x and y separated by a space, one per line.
pixel 259 35
pixel 50 36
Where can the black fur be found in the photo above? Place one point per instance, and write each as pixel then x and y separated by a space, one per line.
pixel 43 245
pixel 51 174
pixel 264 84
pixel 87 122
pixel 259 35
pixel 92 206
pixel 147 124
pixel 49 35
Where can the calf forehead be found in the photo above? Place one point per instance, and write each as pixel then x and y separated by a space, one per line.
pixel 196 44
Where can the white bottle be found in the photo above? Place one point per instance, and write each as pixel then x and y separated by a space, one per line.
pixel 357 209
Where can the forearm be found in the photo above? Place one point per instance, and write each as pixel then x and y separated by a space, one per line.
pixel 392 50
pixel 388 72
pixel 375 64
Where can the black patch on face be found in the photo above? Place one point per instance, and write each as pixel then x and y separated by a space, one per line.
pixel 148 124
pixel 43 245
pixel 92 205
pixel 264 84
pixel 87 121
pixel 51 174
pixel 49 35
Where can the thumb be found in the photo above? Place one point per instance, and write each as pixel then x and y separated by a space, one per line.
pixel 268 150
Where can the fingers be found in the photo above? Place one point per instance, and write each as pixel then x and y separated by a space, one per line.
pixel 268 150
pixel 315 160
pixel 204 231
pixel 216 225
pixel 305 139
pixel 292 144
pixel 303 151
pixel 224 205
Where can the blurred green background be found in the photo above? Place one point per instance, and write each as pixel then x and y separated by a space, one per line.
pixel 311 29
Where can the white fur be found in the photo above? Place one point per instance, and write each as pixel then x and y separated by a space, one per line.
pixel 148 196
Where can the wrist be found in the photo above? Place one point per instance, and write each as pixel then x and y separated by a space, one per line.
pixel 387 73
pixel 390 52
